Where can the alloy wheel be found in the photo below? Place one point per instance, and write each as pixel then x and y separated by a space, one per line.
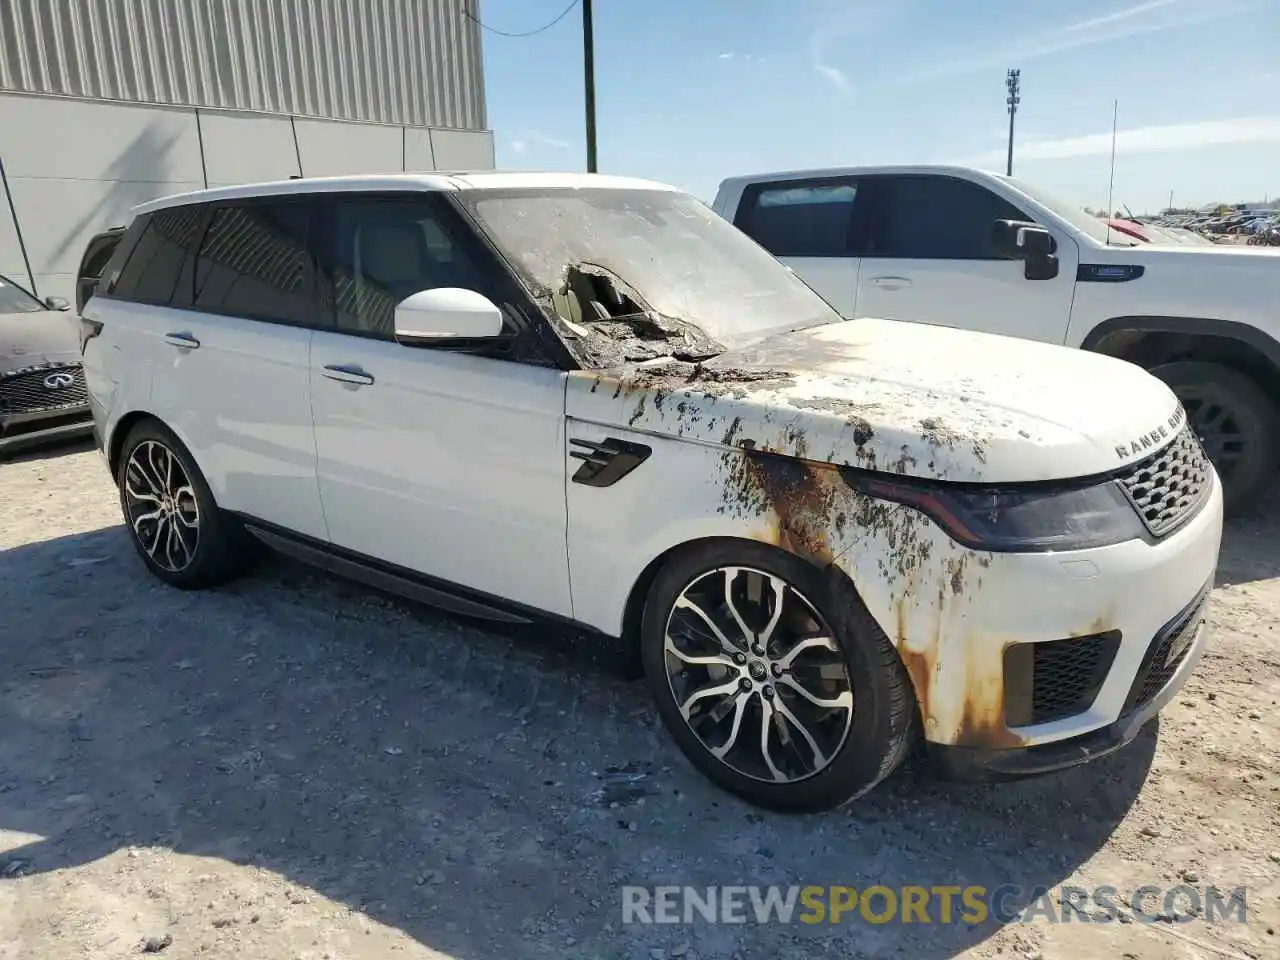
pixel 161 506
pixel 758 675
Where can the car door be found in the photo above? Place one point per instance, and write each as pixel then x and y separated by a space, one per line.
pixel 232 373
pixel 813 226
pixel 930 259
pixel 441 462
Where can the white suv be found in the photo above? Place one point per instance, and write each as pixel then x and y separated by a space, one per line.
pixel 593 400
pixel 965 248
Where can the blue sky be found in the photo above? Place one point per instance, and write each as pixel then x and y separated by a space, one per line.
pixel 692 91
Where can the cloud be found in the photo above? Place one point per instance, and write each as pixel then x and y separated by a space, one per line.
pixel 531 138
pixel 835 77
pixel 1133 21
pixel 1169 138
pixel 842 19
pixel 1128 13
pixel 726 56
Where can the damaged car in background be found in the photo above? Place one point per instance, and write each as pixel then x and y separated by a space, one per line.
pixel 42 393
pixel 593 401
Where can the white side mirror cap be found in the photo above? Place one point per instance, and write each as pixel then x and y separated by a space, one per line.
pixel 446 313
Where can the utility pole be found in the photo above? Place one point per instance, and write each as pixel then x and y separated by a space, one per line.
pixel 589 82
pixel 1011 82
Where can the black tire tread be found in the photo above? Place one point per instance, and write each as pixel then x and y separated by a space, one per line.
pixel 1243 495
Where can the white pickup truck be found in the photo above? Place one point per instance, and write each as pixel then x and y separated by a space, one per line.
pixel 960 247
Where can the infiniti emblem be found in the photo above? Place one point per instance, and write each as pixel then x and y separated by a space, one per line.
pixel 58 381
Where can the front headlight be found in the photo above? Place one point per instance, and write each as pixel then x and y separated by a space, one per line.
pixel 1023 518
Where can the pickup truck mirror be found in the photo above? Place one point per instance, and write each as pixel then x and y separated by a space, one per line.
pixel 56 303
pixel 446 315
pixel 1030 242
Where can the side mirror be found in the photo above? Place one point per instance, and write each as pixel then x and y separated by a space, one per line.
pixel 1023 240
pixel 57 303
pixel 435 317
pixel 1029 242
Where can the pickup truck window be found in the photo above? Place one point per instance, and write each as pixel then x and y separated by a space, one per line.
pixel 936 218
pixel 1084 222
pixel 798 218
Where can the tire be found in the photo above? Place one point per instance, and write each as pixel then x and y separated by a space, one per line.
pixel 207 547
pixel 1247 424
pixel 878 729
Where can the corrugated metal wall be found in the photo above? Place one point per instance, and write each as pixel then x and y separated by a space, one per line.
pixel 414 62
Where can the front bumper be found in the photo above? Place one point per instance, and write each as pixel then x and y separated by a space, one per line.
pixel 975 629
pixel 987 765
pixel 22 432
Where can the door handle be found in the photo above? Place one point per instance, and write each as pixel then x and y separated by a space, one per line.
pixel 183 341
pixel 891 283
pixel 345 373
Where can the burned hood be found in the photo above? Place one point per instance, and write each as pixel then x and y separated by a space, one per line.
pixel 31 339
pixel 905 398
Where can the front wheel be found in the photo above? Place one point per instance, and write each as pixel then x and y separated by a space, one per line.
pixel 772 677
pixel 1237 424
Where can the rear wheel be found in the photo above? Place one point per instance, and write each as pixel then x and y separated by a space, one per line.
pixel 173 521
pixel 1237 424
pixel 772 677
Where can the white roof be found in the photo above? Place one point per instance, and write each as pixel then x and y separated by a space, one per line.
pixel 452 180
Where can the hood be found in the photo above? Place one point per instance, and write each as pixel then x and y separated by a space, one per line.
pixel 30 339
pixel 1204 255
pixel 917 400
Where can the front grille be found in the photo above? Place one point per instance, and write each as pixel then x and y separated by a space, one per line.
pixel 1057 678
pixel 1167 652
pixel 1167 487
pixel 42 389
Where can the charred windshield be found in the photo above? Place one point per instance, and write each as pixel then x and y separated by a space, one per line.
pixel 645 273
pixel 13 299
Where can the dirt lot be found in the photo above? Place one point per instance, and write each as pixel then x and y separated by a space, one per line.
pixel 296 767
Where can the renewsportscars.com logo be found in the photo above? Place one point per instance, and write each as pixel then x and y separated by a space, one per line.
pixel 937 904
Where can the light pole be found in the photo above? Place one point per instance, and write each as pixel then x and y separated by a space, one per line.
pixel 589 82
pixel 1011 83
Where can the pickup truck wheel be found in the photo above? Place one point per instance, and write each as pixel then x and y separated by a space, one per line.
pixel 172 519
pixel 1237 423
pixel 767 682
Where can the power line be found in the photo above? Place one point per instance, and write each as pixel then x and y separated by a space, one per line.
pixel 530 33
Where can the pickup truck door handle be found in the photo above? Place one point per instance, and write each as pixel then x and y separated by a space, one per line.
pixel 891 283
pixel 348 373
pixel 183 341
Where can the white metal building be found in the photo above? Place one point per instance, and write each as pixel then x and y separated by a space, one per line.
pixel 106 103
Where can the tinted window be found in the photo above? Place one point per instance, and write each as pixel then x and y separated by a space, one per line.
pixel 937 218
pixel 800 219
pixel 151 271
pixel 384 250
pixel 253 262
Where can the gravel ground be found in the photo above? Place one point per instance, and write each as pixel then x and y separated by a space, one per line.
pixel 297 767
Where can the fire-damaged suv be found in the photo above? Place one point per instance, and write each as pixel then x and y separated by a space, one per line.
pixel 592 400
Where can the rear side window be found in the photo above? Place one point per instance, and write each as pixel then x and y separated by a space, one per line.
pixel 936 218
pixel 801 218
pixel 150 273
pixel 254 262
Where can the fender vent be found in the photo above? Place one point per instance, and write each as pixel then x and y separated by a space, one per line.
pixel 1168 487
